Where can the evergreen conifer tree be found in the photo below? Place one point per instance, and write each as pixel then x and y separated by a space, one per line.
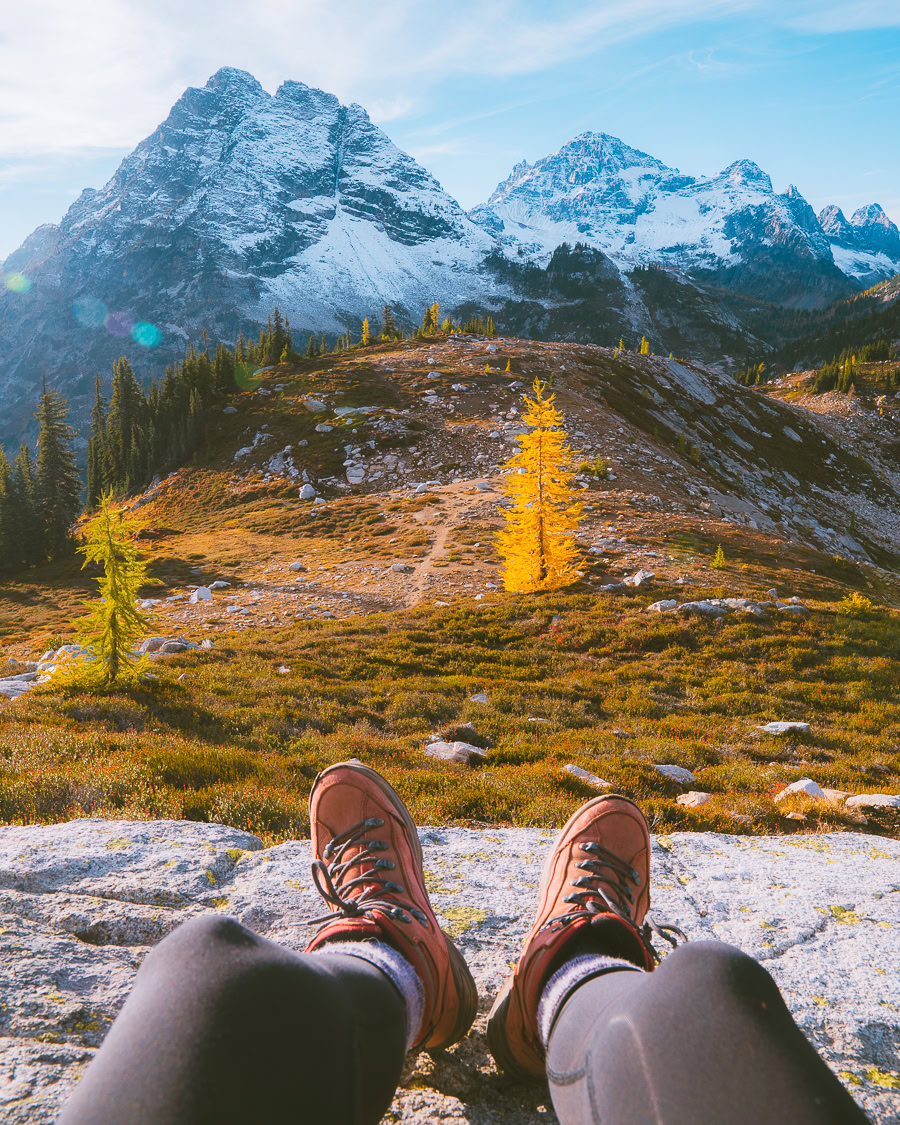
pixel 97 481
pixel 27 510
pixel 388 325
pixel 58 485
pixel 538 543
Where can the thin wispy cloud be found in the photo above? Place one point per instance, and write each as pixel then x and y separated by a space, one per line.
pixel 73 76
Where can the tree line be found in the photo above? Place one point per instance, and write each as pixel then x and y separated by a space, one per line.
pixel 138 432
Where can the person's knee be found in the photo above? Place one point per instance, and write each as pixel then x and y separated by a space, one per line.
pixel 715 967
pixel 201 941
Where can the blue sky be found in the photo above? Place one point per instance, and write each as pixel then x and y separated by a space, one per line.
pixel 809 89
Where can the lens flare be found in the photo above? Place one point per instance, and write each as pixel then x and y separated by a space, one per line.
pixel 118 324
pixel 17 283
pixel 147 335
pixel 244 376
pixel 90 312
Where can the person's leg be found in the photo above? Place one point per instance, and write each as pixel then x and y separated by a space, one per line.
pixel 224 1026
pixel 705 1037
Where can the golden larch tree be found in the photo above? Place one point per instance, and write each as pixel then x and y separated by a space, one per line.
pixel 366 337
pixel 114 625
pixel 538 543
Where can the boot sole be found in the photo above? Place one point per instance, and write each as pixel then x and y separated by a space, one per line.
pixel 465 985
pixel 498 1041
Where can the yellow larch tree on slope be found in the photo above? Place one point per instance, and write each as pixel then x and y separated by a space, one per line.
pixel 538 543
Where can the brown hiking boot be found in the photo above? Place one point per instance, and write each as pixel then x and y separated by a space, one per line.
pixel 368 868
pixel 594 897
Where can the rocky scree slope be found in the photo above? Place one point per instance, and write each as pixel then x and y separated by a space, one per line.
pixel 684 435
pixel 82 903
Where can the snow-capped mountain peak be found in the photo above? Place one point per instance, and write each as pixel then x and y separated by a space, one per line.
pixel 866 246
pixel 639 211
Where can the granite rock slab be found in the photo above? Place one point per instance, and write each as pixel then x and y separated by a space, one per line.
pixel 82 903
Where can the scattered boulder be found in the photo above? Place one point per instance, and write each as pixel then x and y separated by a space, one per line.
pixel 703 609
pixel 693 799
pixel 307 492
pixel 479 697
pixel 835 796
pixel 805 786
pixel 873 801
pixel 401 568
pixel 151 644
pixel 639 578
pixel 172 648
pixel 297 567
pixel 463 752
pixel 219 584
pixel 676 773
pixel 780 727
pixel 664 606
pixel 315 406
pixel 201 594
pixel 588 778
pixel 206 643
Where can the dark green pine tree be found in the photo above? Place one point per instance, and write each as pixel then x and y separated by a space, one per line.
pixel 97 473
pixel 124 423
pixel 26 510
pixel 311 349
pixel 388 325
pixel 10 540
pixel 58 486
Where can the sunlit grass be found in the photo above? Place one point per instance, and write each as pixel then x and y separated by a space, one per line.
pixel 234 741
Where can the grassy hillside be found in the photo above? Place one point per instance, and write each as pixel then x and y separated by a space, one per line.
pixel 225 735
pixel 397 615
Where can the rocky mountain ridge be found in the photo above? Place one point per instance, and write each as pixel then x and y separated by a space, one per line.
pixel 242 200
pixel 733 227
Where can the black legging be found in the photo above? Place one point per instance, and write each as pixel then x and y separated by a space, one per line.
pixel 224 1026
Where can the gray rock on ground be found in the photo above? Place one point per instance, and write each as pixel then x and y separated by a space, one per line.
pixel 81 904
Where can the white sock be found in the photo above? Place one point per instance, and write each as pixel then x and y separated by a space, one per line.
pixel 398 971
pixel 567 978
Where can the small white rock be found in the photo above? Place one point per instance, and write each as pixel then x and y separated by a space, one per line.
pixel 588 778
pixel 805 785
pixel 676 773
pixel 874 801
pixel 780 727
pixel 693 799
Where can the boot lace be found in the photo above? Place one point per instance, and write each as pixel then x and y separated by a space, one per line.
pixel 334 878
pixel 593 899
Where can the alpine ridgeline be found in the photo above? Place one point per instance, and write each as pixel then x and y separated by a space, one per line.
pixel 242 200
